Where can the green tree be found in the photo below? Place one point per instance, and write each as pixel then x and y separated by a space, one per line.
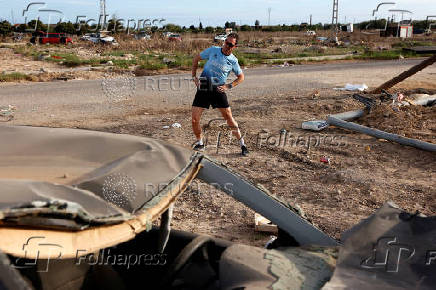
pixel 172 28
pixel 200 27
pixel 5 28
pixel 38 25
pixel 65 27
pixel 245 27
pixel 209 29
pixel 256 25
pixel 21 28
pixel 193 29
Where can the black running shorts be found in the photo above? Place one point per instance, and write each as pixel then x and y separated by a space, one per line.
pixel 208 95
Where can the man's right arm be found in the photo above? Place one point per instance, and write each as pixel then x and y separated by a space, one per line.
pixel 195 62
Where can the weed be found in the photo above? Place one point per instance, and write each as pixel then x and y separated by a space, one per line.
pixel 15 76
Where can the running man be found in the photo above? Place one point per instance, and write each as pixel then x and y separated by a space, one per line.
pixel 212 87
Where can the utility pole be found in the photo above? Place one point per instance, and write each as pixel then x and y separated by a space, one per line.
pixel 103 13
pixel 335 16
pixel 269 16
pixel 310 19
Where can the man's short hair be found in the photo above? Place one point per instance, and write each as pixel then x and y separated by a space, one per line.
pixel 234 35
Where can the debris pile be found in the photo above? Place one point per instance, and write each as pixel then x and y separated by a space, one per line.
pixel 409 121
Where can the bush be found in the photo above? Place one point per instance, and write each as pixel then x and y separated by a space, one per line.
pixel 15 76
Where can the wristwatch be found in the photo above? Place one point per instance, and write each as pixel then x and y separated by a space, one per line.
pixel 230 86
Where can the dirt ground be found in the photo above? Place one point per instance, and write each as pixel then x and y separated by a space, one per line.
pixel 363 173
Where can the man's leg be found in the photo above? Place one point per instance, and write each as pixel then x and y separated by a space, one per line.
pixel 196 127
pixel 227 115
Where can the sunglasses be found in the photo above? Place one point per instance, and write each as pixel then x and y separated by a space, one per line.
pixel 229 44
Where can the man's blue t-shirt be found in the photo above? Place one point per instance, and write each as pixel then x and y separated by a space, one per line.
pixel 219 65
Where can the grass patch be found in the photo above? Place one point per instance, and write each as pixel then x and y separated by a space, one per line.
pixel 15 76
pixel 72 60
pixel 124 63
pixel 385 55
pixel 405 44
pixel 153 66
pixel 119 53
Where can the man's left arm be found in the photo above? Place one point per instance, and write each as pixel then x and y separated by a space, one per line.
pixel 240 79
pixel 236 82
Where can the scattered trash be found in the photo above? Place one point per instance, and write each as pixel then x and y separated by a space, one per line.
pixel 110 62
pixel 56 57
pixel 400 97
pixel 368 148
pixel 285 64
pixel 176 125
pixel 368 102
pixel 351 87
pixel 325 160
pixel 314 125
pixel 7 113
pixel 262 224
pixel 165 127
pixel 315 94
pixel 422 100
pixel 168 60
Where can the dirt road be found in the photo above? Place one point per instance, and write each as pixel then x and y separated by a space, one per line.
pixel 362 175
pixel 86 99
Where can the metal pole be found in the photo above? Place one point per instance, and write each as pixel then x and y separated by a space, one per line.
pixel 405 75
pixel 335 16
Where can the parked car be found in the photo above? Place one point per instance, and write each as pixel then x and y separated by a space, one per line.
pixel 17 37
pixel 174 37
pixel 142 36
pixel 99 38
pixel 310 33
pixel 52 38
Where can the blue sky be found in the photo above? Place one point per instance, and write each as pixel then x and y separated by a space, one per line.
pixel 217 12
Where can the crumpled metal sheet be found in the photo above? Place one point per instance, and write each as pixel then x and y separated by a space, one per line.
pixel 392 249
pixel 72 179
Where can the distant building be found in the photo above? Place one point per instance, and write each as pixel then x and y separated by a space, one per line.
pixel 348 28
